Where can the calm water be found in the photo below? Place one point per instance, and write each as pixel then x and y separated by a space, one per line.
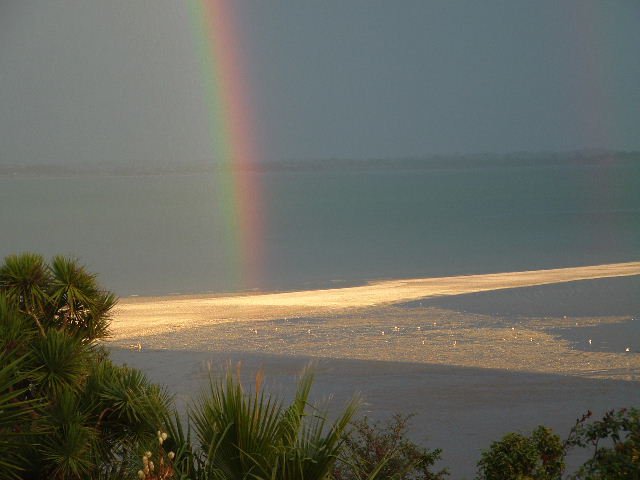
pixel 165 234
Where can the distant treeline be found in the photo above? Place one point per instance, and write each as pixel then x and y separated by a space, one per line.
pixel 431 162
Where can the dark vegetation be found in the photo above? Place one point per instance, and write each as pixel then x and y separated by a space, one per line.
pixel 374 450
pixel 67 412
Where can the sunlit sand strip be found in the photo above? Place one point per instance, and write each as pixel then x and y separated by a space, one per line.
pixel 144 316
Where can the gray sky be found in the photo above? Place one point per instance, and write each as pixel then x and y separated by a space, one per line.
pixel 120 81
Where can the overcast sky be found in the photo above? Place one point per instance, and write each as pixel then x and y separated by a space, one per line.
pixel 120 80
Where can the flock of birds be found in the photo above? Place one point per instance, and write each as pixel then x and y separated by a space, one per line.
pixel 254 331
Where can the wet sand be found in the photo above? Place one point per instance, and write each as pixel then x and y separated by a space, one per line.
pixel 154 315
pixel 417 335
pixel 422 332
pixel 471 366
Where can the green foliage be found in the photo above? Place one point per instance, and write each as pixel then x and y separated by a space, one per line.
pixel 15 416
pixel 62 362
pixel 252 435
pixel 16 331
pixel 375 451
pixel 78 415
pixel 615 441
pixel 67 412
pixel 187 461
pixel 128 407
pixel 61 296
pixel 517 457
pixel 78 303
pixel 619 457
pixel 25 279
pixel 67 444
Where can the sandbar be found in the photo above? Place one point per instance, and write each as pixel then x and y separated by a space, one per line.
pixel 144 316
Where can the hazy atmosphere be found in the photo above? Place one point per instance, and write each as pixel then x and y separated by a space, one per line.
pixel 120 81
pixel 435 204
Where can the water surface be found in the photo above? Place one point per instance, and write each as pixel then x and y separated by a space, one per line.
pixel 166 234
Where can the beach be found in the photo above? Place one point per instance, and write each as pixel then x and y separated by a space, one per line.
pixel 473 357
pixel 151 315
pixel 372 322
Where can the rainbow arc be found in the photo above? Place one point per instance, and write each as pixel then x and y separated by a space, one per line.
pixel 232 127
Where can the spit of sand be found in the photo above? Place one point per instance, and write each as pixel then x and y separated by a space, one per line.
pixel 146 316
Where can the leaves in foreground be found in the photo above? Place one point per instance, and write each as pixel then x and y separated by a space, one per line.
pixel 615 441
pixel 252 435
pixel 383 451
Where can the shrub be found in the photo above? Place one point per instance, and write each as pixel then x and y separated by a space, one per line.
pixel 384 452
pixel 615 440
pixel 517 457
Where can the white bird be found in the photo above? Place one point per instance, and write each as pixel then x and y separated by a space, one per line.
pixel 589 341
pixel 627 349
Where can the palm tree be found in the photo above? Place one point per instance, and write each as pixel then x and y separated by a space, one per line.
pixel 251 435
pixel 85 415
pixel 63 295
pixel 77 303
pixel 81 416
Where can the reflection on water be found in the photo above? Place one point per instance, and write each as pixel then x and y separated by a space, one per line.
pixel 160 234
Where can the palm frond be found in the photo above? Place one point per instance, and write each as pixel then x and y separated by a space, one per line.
pixel 16 330
pixel 68 446
pixel 126 406
pixel 64 362
pixel 251 435
pixel 15 416
pixel 24 279
pixel 79 303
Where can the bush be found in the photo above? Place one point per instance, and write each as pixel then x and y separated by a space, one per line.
pixel 517 457
pixel 383 451
pixel 615 440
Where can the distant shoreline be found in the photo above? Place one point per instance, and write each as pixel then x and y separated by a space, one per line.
pixel 592 158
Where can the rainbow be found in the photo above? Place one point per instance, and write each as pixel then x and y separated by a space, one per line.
pixel 233 136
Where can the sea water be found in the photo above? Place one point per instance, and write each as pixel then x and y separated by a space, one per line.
pixel 166 234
